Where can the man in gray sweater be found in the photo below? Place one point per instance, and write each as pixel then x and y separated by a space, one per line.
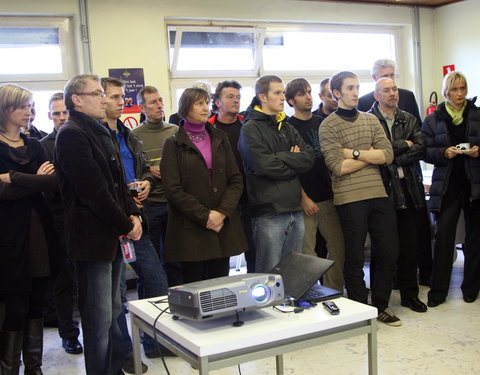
pixel 354 145
pixel 153 132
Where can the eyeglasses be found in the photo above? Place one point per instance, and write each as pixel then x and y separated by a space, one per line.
pixel 97 94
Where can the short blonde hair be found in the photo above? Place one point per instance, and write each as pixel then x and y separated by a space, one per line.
pixel 449 80
pixel 11 97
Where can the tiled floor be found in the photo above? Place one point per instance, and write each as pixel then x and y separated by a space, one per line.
pixel 444 340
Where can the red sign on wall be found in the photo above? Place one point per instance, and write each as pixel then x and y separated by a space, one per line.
pixel 447 69
pixel 131 122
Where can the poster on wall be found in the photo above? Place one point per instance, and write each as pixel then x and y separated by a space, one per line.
pixel 447 69
pixel 134 80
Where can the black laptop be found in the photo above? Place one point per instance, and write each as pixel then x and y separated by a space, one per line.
pixel 300 274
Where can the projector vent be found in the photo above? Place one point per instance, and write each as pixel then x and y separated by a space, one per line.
pixel 217 299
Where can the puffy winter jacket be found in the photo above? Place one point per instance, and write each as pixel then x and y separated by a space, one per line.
pixel 438 140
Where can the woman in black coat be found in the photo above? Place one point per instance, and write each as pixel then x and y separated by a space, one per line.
pixel 452 134
pixel 203 185
pixel 25 234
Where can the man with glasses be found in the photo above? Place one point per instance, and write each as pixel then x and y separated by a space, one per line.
pixel 99 211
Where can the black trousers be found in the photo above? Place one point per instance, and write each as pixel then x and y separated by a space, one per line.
pixel 204 270
pixel 407 225
pixel 446 224
pixel 59 300
pixel 377 217
pixel 424 250
pixel 246 219
pixel 19 308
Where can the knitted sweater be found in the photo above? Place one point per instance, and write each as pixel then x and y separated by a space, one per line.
pixel 361 134
pixel 153 136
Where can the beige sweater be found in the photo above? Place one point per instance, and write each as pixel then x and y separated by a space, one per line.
pixel 366 131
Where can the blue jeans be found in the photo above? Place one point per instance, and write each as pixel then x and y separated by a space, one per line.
pixel 157 230
pixel 100 306
pixel 276 235
pixel 152 282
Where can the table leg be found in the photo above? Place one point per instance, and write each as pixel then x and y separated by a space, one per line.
pixel 137 361
pixel 372 348
pixel 203 366
pixel 279 362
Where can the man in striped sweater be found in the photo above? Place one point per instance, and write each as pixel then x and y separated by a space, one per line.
pixel 354 145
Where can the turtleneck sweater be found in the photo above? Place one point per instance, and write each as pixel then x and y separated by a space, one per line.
pixel 153 134
pixel 195 131
pixel 347 114
pixel 353 130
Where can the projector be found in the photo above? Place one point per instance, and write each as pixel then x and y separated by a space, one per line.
pixel 214 298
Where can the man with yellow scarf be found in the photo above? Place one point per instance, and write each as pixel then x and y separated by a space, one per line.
pixel 274 155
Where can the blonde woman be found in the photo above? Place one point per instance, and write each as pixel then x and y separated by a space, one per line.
pixel 452 133
pixel 26 234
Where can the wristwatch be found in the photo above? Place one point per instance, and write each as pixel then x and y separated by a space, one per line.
pixel 355 154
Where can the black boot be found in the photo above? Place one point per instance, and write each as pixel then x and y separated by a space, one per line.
pixel 10 349
pixel 33 346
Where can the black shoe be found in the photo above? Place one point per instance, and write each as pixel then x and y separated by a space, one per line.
pixel 164 352
pixel 414 304
pixel 469 299
pixel 433 303
pixel 72 345
pixel 129 366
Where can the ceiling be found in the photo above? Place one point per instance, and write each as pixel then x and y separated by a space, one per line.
pixel 423 3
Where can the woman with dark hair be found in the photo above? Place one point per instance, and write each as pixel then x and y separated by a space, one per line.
pixel 203 185
pixel 452 133
pixel 25 232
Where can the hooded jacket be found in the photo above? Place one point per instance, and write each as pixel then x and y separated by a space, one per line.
pixel 272 171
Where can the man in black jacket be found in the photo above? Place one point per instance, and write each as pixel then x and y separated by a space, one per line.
pixel 403 184
pixel 385 68
pixel 98 212
pixel 152 280
pixel 58 303
pixel 274 155
pixel 328 104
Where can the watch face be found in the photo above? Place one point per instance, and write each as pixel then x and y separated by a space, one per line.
pixel 356 153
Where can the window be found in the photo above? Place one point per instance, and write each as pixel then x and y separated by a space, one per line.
pixel 20 46
pixel 38 53
pixel 211 51
pixel 216 53
pixel 310 51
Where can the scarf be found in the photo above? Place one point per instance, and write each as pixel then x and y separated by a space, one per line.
pixel 456 115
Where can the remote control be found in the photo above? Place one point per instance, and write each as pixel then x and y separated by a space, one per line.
pixel 331 307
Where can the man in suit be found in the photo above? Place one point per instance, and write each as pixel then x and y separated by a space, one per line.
pixel 385 68
pixel 98 212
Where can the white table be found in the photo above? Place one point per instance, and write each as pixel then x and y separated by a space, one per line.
pixel 215 344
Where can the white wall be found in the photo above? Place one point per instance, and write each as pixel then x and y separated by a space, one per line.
pixel 132 34
pixel 457 41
